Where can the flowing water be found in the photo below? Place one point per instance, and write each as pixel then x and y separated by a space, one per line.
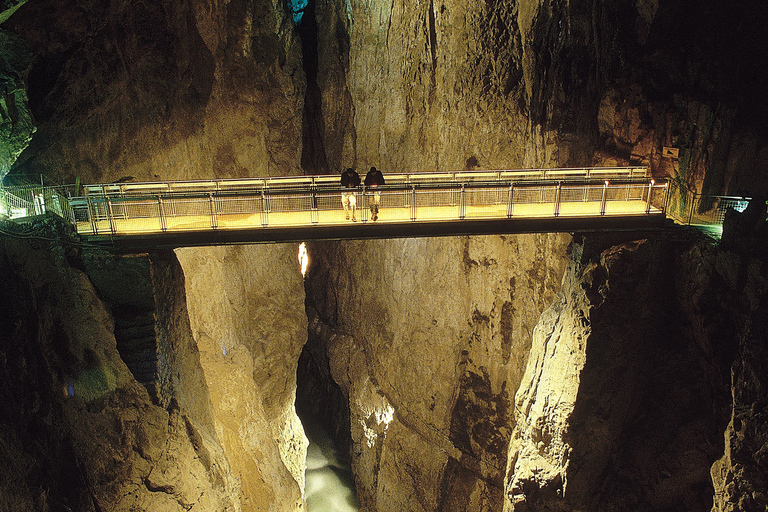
pixel 329 483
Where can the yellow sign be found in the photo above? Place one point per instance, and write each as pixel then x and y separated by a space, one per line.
pixel 668 152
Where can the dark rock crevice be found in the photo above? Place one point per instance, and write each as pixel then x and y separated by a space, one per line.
pixel 314 159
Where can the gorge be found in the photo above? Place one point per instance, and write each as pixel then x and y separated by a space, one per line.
pixel 551 371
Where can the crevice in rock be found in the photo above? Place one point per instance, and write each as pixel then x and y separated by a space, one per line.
pixel 137 344
pixel 313 158
pixel 320 401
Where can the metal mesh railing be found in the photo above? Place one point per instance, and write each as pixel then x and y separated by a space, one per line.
pixel 701 210
pixel 28 201
pixel 282 202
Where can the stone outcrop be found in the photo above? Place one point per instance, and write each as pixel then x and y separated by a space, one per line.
pixel 78 431
pixel 161 90
pixel 627 388
pixel 16 123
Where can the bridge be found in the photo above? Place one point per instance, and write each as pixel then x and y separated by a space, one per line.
pixel 142 216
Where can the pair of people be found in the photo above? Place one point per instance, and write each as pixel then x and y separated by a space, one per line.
pixel 351 180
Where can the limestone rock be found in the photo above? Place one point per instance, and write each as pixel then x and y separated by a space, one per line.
pixel 627 389
pixel 428 340
pixel 246 310
pixel 80 431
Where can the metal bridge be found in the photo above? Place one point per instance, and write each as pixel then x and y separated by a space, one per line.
pixel 137 216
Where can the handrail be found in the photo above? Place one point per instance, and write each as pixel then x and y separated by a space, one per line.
pixel 125 209
pixel 326 181
pixel 197 205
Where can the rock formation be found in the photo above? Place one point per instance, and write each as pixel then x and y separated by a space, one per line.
pixel 79 432
pixel 459 396
pixel 428 340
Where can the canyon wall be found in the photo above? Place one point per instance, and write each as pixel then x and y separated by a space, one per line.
pixel 246 309
pixel 428 339
pixel 462 397
pixel 161 90
pixel 453 85
pixel 79 432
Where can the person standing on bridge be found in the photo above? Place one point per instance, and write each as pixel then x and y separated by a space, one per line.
pixel 373 181
pixel 350 180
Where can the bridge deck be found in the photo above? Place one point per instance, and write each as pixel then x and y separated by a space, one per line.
pixel 173 215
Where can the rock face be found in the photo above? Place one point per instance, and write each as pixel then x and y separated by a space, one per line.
pixel 628 385
pixel 428 339
pixel 162 90
pixel 16 123
pixel 247 315
pixel 625 395
pixel 79 432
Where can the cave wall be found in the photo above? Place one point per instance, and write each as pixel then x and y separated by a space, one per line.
pixel 449 85
pixel 161 90
pixel 428 339
pixel 79 432
pixel 246 309
pixel 657 344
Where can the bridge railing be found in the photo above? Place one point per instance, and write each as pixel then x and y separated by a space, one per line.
pixel 701 210
pixel 28 201
pixel 332 181
pixel 280 202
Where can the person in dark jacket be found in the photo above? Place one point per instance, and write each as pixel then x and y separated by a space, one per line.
pixel 350 180
pixel 373 182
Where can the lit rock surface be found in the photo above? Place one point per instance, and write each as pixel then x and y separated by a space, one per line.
pixel 627 387
pixel 429 339
pixel 246 306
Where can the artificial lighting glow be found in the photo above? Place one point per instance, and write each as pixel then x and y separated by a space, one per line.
pixel 382 418
pixel 303 258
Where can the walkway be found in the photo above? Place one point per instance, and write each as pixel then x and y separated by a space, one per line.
pixel 173 214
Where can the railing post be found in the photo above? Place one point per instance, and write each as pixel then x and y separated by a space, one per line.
pixel 161 208
pixel 212 204
pixel 666 198
pixel 604 198
pixel 314 213
pixel 509 200
pixel 92 216
pixel 111 217
pixel 557 198
pixel 413 202
pixel 650 192
pixel 264 206
pixel 462 207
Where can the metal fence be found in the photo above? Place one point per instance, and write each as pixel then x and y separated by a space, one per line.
pixel 281 202
pixel 701 210
pixel 118 208
pixel 21 202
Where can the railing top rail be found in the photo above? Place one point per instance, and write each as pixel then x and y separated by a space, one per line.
pixel 308 188
pixel 333 180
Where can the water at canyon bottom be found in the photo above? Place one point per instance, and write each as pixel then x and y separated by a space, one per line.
pixel 329 483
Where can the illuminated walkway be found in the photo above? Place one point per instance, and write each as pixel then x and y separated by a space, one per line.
pixel 173 214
